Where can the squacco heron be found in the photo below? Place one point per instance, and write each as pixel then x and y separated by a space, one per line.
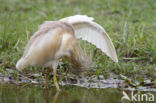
pixel 58 39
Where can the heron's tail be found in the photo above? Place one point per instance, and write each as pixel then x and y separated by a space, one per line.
pixel 20 64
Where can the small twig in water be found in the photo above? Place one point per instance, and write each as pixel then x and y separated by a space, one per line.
pixel 32 81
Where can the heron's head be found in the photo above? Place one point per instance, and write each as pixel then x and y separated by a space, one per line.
pixel 79 62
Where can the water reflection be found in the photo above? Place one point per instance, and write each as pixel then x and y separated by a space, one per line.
pixel 48 97
pixel 51 98
pixel 68 94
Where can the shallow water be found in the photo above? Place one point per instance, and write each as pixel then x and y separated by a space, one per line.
pixel 69 94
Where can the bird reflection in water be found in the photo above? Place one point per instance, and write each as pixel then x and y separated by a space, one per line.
pixel 76 101
pixel 48 97
pixel 52 98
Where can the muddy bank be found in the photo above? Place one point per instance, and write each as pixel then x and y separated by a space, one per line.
pixel 87 82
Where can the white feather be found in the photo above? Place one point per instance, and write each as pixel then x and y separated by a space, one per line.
pixel 19 64
pixel 74 19
pixel 92 32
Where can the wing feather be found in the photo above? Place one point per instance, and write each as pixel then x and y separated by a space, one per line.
pixel 92 32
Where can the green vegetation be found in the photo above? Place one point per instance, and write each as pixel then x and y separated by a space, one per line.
pixel 131 25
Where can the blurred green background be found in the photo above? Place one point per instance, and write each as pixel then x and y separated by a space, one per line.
pixel 131 25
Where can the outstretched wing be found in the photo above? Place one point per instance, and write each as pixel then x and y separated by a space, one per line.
pixel 92 32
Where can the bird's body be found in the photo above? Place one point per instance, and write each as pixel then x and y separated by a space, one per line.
pixel 54 40
pixel 46 44
pixel 57 39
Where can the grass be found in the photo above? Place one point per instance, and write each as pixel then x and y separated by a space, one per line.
pixel 130 24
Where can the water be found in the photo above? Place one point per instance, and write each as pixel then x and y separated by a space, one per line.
pixel 69 94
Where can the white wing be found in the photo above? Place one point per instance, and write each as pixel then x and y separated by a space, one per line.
pixel 92 32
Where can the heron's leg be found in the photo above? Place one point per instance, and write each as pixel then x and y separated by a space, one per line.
pixel 47 75
pixel 55 64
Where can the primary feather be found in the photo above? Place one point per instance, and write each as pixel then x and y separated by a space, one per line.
pixel 92 32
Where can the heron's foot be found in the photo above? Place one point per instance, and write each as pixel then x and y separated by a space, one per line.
pixel 55 82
